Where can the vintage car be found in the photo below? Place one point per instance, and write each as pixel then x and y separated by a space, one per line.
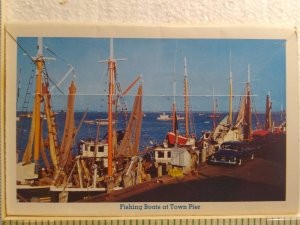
pixel 233 153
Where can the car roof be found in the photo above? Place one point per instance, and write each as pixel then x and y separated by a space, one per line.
pixel 234 143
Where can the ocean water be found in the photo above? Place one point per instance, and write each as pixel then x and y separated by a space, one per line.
pixel 153 131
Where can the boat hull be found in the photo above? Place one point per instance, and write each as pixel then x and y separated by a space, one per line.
pixel 172 139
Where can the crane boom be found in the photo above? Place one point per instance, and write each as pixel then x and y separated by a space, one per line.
pixel 63 79
pixel 131 85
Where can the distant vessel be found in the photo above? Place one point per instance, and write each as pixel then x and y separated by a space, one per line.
pixel 103 122
pixel 166 117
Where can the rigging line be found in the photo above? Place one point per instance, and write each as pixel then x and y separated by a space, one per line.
pixel 267 62
pixel 47 48
pixel 23 49
pixel 175 59
pixel 253 108
pixel 46 73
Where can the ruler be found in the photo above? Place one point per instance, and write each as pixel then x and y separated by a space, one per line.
pixel 199 221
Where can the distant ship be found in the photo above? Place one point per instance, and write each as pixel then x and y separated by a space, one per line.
pixel 166 117
pixel 98 122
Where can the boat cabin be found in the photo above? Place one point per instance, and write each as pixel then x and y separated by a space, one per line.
pixel 180 157
pixel 162 155
pixel 92 149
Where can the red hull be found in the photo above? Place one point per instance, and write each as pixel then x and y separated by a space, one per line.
pixel 172 138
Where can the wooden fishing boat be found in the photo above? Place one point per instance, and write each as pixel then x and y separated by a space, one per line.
pixel 177 146
pixel 41 156
pixel 108 164
pixel 270 132
pixel 226 130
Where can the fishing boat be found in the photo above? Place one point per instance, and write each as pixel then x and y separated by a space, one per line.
pixel 177 146
pixel 215 112
pixel 270 132
pixel 188 138
pixel 227 130
pixel 41 156
pixel 111 163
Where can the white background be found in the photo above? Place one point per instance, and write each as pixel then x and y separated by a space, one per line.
pixel 157 12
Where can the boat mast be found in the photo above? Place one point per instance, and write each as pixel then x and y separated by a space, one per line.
pixel 230 93
pixel 174 108
pixel 268 119
pixel 186 99
pixel 281 114
pixel 214 109
pixel 37 100
pixel 174 116
pixel 248 115
pixel 111 77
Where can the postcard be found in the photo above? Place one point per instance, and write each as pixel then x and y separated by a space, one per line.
pixel 150 121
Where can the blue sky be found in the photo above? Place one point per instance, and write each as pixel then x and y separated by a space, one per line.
pixel 160 61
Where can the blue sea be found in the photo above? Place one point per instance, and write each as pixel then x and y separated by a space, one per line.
pixel 153 131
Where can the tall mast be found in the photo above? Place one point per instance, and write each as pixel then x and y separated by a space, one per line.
pixel 248 115
pixel 111 78
pixel 186 99
pixel 174 119
pixel 111 102
pixel 268 119
pixel 37 100
pixel 174 107
pixel 281 113
pixel 214 109
pixel 230 93
pixel 35 135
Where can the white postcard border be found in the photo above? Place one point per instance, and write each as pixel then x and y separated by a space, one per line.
pixel 113 209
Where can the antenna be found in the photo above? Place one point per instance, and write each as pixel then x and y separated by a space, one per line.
pixel 249 74
pixel 111 53
pixel 185 68
pixel 40 46
pixel 40 51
